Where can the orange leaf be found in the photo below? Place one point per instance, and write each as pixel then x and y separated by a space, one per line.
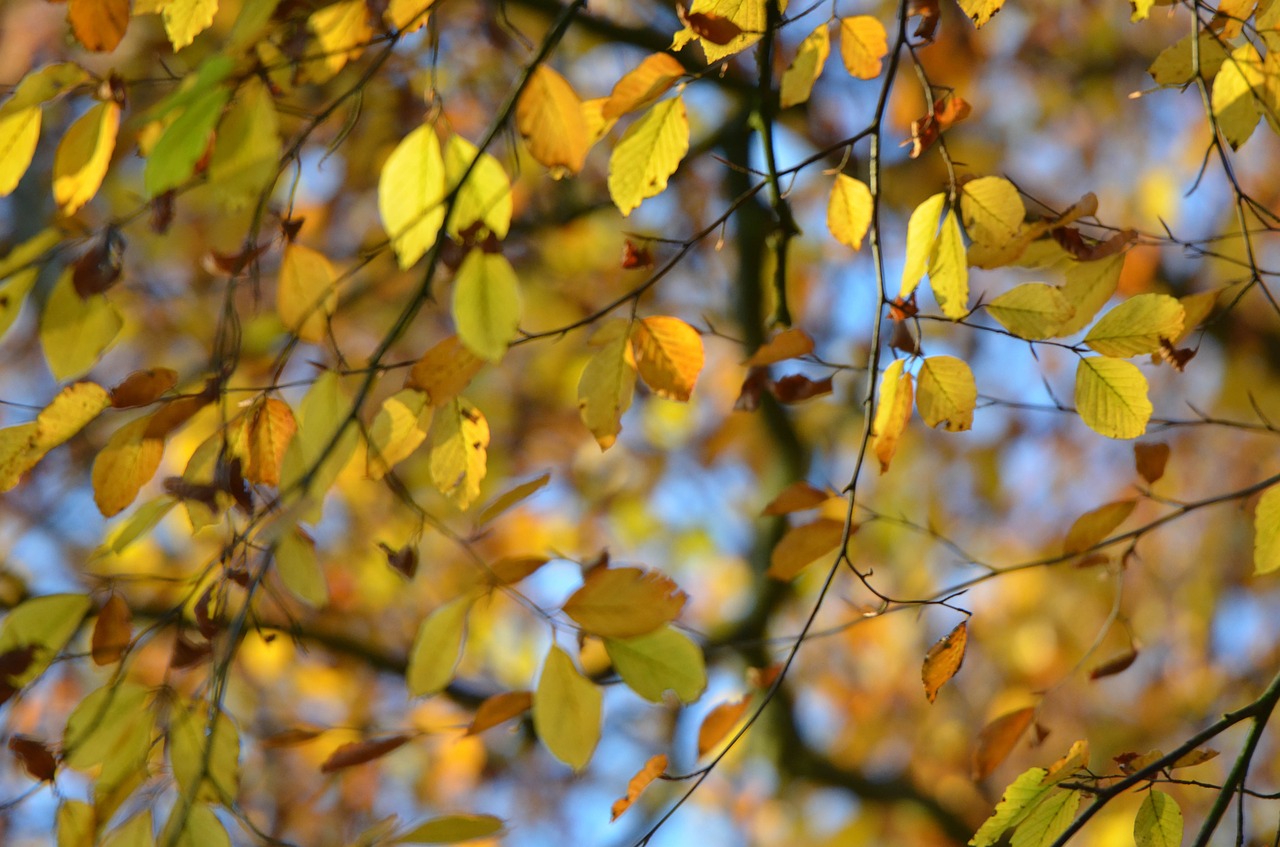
pixel 511 570
pixel 794 388
pixel 98 24
pixel 638 88
pixel 652 769
pixel 112 632
pixel 271 428
pixel 788 344
pixel 796 497
pixel 668 354
pixel 1150 460
pixel 802 545
pixel 718 722
pixel 124 465
pixel 142 387
pixel 624 602
pixel 359 752
pixel 498 709
pixel 1093 526
pixel 444 371
pixel 944 659
pixel 996 740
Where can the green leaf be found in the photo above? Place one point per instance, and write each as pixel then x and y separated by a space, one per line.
pixel 1175 65
pixel 173 159
pixel 191 741
pixel 922 230
pixel 949 269
pixel 486 304
pixel 111 726
pixel 567 710
pixel 648 154
pixel 1048 820
pixel 45 624
pixel 74 332
pixel 437 648
pixel 1137 326
pixel 664 660
pixel 452 829
pixel 1266 532
pixel 946 394
pixel 1020 798
pixel 1159 821
pixel 1111 396
pixel 1032 310
pixel 411 189
pixel 300 570
pixel 247 150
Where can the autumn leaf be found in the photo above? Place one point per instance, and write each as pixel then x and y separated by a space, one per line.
pixel 893 411
pixel 652 769
pixel 498 709
pixel 805 68
pixel 112 632
pixel 1150 460
pixel 605 390
pixel 849 210
pixel 411 188
pixel 459 452
pixel 996 741
pixel 486 304
pixel 1093 526
pixel 361 752
pixel 37 760
pixel 624 602
pixel 485 198
pixel 648 154
pixel 1159 821
pixel 306 294
pixel 1076 759
pixel 668 355
pixel 451 829
pixel 802 546
pixel 83 156
pixel 271 427
pixel 98 24
pixel 1266 532
pixel 863 46
pixel 444 371
pixel 437 648
pixel 1137 326
pixel 1032 310
pixel 944 659
pixel 796 497
pixel 788 344
pixel 549 116
pixel 922 229
pixel 1111 395
pixel 980 11
pixel 643 85
pixel 945 393
pixel 567 710
pixel 718 722
pixel 129 459
pixel 510 499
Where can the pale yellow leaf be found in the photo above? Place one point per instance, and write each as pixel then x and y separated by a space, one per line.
pixel 1158 822
pixel 485 199
pixel 605 390
pixel 306 294
pixel 992 210
pixel 567 710
pixel 1111 396
pixel 849 210
pixel 1266 532
pixel 624 602
pixel 204 752
pixel 949 269
pixel 437 648
pixel 643 85
pixel 19 271
pixel 806 67
pixel 863 46
pixel 83 156
pixel 648 154
pixel 668 355
pixel 247 149
pixel 549 116
pixel 803 545
pixel 946 394
pixel 76 822
pixel 408 15
pixel 185 19
pixel 411 189
pixel 922 230
pixel 747 18
pixel 324 442
pixel 1137 326
pixel 75 332
pixel 1088 287
pixel 893 410
pixel 486 304
pixel 398 429
pixel 341 32
pixel 459 451
pixel 19 134
pixel 1032 310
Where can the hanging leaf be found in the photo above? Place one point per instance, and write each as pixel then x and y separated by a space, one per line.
pixel 605 390
pixel 112 632
pixel 444 371
pixel 75 332
pixel 1114 665
pixel 1159 821
pixel 624 602
pixel 1137 326
pixel 668 355
pixel 992 210
pixel 70 411
pixel 83 155
pixel 459 452
pixel 185 19
pixel 42 626
pixel 135 832
pixel 943 660
pixel 805 68
pixel 485 199
pixel 949 269
pixel 361 752
pixel 1175 66
pixel 19 271
pixel 980 11
pixel 922 229
pixel 721 27
pixel 718 722
pixel 486 304
pixel 1150 460
pixel 398 429
pixel 1033 310
pixel 652 769
pixel 849 210
pixel 498 709
pixel 307 294
pixel 1093 526
pixel 184 142
pixel 34 756
pixel 893 411
pixel 1049 819
pixel 247 151
pixel 1088 287
pixel 141 388
pixel 509 499
pixel 648 154
pixel 341 32
pixel 205 752
pixel 1111 396
pixel 437 648
pixel 20 118
pixel 127 462
pixel 567 710
pixel 513 569
pixel 300 570
pixel 996 741
pixel 451 829
pixel 411 188
pixel 1077 759
pixel 946 394
pixel 271 428
pixel 1266 532
pixel 660 661
pixel 1020 798
pixel 549 117
pixel 863 46
pixel 1235 97
pixel 642 86
pixel 804 545
pixel 324 442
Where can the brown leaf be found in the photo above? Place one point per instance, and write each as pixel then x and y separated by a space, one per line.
pixel 1150 460
pixel 511 570
pixel 290 738
pixel 1089 249
pixel 99 268
pixel 788 344
pixel 944 659
pixel 98 24
pixel 162 212
pixel 188 652
pixel 929 14
pixel 1176 356
pixel 1114 665
pixel 36 758
pixel 403 561
pixel 500 708
pixel 925 131
pixel 142 387
pixel 718 722
pixel 113 631
pixel 755 384
pixel 652 769
pixel 996 741
pixel 232 264
pixel 174 413
pixel 634 257
pixel 359 752
pixel 714 28
pixel 795 388
pixel 903 340
pixel 796 497
pixel 16 661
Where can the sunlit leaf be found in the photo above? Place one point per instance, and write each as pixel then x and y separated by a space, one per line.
pixel 300 570
pixel 663 660
pixel 648 154
pixel 849 210
pixel 980 11
pixel 485 198
pixel 1111 395
pixel 624 602
pixel 129 459
pixel 1266 532
pixel 788 344
pixel 723 27
pixel 398 429
pixel 324 441
pixel 643 85
pixel 805 68
pixel 185 19
pixel 306 295
pixel 459 451
pixel 549 116
pixel 863 46
pixel 1020 798
pixel 922 229
pixel 1235 100
pixel 74 332
pixel 271 428
pixel 1137 326
pixel 1176 64
pixel 509 499
pixel 1076 759
pixel 486 304
pixel 893 410
pixel 172 159
pixel 135 832
pixel 19 271
pixel 411 188
pixel 943 660
pixel 111 724
pixel 992 210
pixel 43 625
pixel 652 769
pixel 567 710
pixel 803 545
pixel 668 355
pixel 76 822
pixel 997 739
pixel 342 32
pixel 1032 310
pixel 715 727
pixel 498 709
pixel 437 648
pixel 444 371
pixel 83 156
pixel 20 117
pixel 1088 287
pixel 949 269
pixel 1047 820
pixel 946 394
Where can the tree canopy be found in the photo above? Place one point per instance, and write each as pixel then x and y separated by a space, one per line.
pixel 542 422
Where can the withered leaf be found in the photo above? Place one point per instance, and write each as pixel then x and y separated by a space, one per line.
pixel 996 741
pixel 714 28
pixel 290 738
pixel 796 497
pixel 652 769
pixel 795 388
pixel 112 632
pixel 359 752
pixel 142 387
pixel 943 660
pixel 100 266
pixel 36 759
pixel 403 561
pixel 788 344
pixel 1150 460
pixel 188 653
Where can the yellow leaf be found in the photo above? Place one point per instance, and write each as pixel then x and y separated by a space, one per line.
pixel 185 19
pixel 408 15
pixel 444 371
pixel 1266 532
pixel 75 332
pixel 16 453
pixel 451 829
pixel 893 410
pixel 643 85
pixel 1032 310
pixel 922 230
pixel 549 116
pixel 486 304
pixel 949 269
pixel 46 624
pixel 1141 9
pixel 76 823
pixel 249 29
pixel 992 210
pixel 247 149
pixel 788 344
pixel 486 197
pixel 806 67
pixel 68 413
pixel 1088 287
pixel 796 497
pixel 1236 91
pixel 411 189
pixel 1093 526
pixel 716 725
pixel 567 710
pixel 271 428
pixel 400 426
pixel 324 442
pixel 652 769
pixel 996 741
pixel 19 271
pixel 946 394
pixel 342 32
pixel 802 546
pixel 129 459
pixel 19 134
pixel 980 11
pixel 306 294
pixel 135 832
pixel 98 24
pixel 943 660
pixel 83 156
pixel 299 569
pixel 849 210
pixel 509 499
pixel 437 648
pixel 1077 759
pixel 1137 326
pixel 668 354
pixel 112 631
pixel 624 602
pixel 605 389
pixel 648 154
pixel 663 660
pixel 1175 65
pixel 1111 396
pixel 863 46
pixel 459 445
pixel 1158 822
pixel 198 827
pixel 598 125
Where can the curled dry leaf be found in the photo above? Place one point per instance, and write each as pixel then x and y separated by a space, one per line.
pixel 36 758
pixel 652 769
pixel 925 131
pixel 996 741
pixel 403 561
pixel 359 752
pixel 716 725
pixel 944 659
pixel 795 388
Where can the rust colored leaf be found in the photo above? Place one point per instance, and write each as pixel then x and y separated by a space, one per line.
pixel 944 659
pixel 763 678
pixel 1150 460
pixel 903 340
pixel 1090 250
pixel 403 561
pixel 188 653
pixel 98 24
pixel 1175 356
pixel 35 757
pixel 1134 762
pixel 16 661
pixel 714 28
pixel 788 344
pixel 162 212
pixel 925 131
pixel 1114 665
pixel 500 708
pixel 625 602
pixel 634 257
pixel 360 752
pixel 718 722
pixel 232 264
pixel 755 384
pixel 996 741
pixel 142 387
pixel 271 428
pixel 100 266
pixel 795 388
pixel 929 14
pixel 113 631
pixel 1195 757
pixel 290 738
pixel 796 497
pixel 652 769
pixel 175 413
